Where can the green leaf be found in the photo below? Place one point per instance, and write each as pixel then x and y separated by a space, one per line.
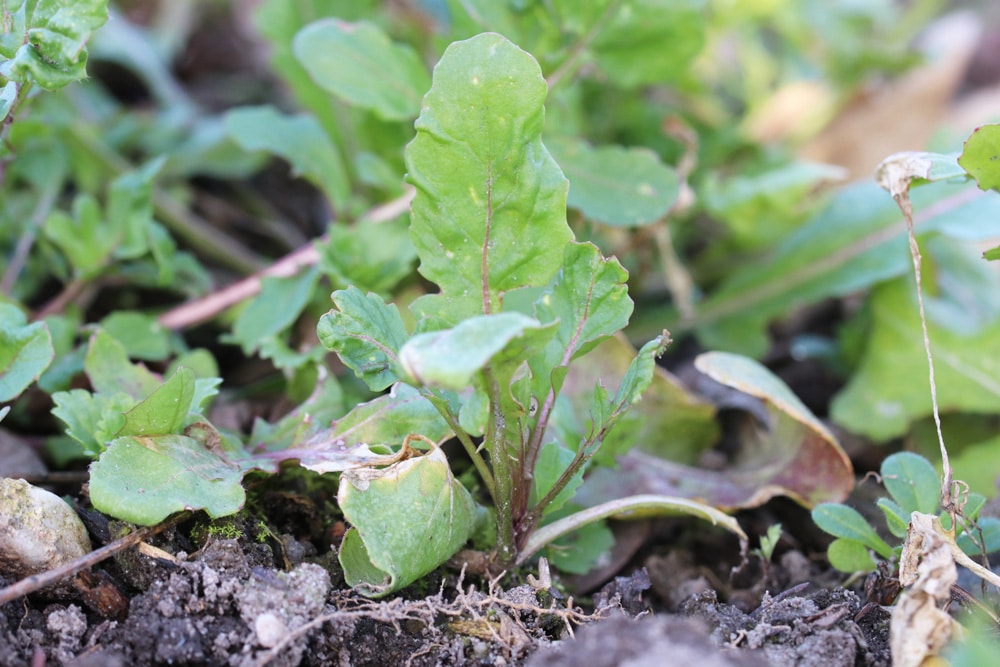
pixel 645 41
pixel 372 256
pixel 145 479
pixel 552 462
pixel 366 333
pixel 489 215
pixel 46 40
pixel 130 209
pixel 83 238
pixel 93 420
pixel 989 540
pixel 300 140
pixel 142 335
pixel 912 482
pixel 358 62
pixel 667 406
pixel 640 373
pixel 579 551
pixel 25 351
pixel 590 300
pixel 896 520
pixel 858 240
pixel 980 157
pixel 8 95
pixel 165 410
pixel 110 371
pixel 407 520
pixel 846 522
pixel 450 359
pixel 279 304
pixel 619 186
pixel 890 388
pixel 850 556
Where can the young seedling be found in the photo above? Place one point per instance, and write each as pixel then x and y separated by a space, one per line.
pixel 913 486
pixel 518 302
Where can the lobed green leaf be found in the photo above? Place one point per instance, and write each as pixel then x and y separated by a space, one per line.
pixel 489 215
pixel 45 40
pixel 367 334
pixel 589 298
pixel 165 410
pixel 110 371
pixel 141 334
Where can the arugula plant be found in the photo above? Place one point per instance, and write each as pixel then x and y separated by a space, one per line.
pixel 489 222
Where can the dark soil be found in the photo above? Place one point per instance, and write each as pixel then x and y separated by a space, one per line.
pixel 240 601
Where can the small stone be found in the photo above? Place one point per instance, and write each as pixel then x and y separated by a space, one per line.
pixel 270 629
pixel 39 531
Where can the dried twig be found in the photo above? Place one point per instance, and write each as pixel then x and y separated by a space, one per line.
pixel 42 580
pixel 207 307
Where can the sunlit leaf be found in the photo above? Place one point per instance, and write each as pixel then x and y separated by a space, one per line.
pixel 449 359
pixel 489 213
pixel 366 333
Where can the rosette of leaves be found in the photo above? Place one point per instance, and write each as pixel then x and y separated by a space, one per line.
pixel 518 302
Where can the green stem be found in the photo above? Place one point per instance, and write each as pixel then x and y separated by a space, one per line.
pixel 463 437
pixel 632 507
pixel 582 457
pixel 496 444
